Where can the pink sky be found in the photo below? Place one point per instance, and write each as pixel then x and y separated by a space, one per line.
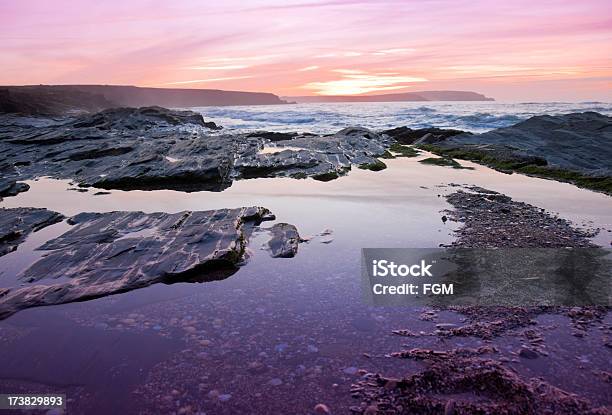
pixel 514 50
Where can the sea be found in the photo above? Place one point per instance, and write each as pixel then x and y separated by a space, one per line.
pixel 326 118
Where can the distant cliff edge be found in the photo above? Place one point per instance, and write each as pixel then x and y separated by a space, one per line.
pixel 406 96
pixel 58 99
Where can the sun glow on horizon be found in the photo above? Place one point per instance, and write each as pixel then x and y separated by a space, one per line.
pixel 357 82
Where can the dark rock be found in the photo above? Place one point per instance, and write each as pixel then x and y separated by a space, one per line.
pixel 571 147
pixel 108 253
pixel 405 135
pixel 8 181
pixel 154 148
pixel 284 242
pixel 528 353
pixel 17 223
pixel 273 136
pixel 141 118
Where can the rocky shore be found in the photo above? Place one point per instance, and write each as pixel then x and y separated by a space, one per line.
pixel 155 148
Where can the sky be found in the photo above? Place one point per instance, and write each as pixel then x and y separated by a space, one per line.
pixel 545 50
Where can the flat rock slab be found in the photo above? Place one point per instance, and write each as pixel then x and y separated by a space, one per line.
pixel 108 253
pixel 17 223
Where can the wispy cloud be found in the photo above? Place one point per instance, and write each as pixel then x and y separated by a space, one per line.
pixel 395 51
pixel 348 71
pixel 198 81
pixel 218 68
pixel 309 68
pixel 347 54
pixel 228 59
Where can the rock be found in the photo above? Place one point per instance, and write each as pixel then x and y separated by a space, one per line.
pixel 273 136
pixel 17 223
pixel 527 353
pixel 155 148
pixel 275 382
pixel 405 135
pixel 321 408
pixel 107 253
pixel 8 181
pixel 571 147
pixel 140 118
pixel 449 408
pixel 284 242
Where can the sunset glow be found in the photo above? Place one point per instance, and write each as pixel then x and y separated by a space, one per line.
pixel 519 50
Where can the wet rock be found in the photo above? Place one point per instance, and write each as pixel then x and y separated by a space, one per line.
pixel 139 118
pixel 273 136
pixel 465 375
pixel 527 353
pixel 107 253
pixel 284 242
pixel 155 148
pixel 405 135
pixel 17 223
pixel 321 408
pixel 570 147
pixel 8 181
pixel 275 382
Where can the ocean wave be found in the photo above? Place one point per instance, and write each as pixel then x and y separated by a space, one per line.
pixel 328 118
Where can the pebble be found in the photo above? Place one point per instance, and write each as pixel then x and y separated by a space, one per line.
pixel 312 349
pixel 527 353
pixel 275 382
pixel 321 408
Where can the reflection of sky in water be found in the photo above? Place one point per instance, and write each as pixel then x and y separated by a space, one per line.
pixel 311 300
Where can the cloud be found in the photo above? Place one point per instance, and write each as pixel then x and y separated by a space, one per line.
pixel 347 54
pixel 395 51
pixel 308 68
pixel 227 59
pixel 197 81
pixel 348 71
pixel 354 84
pixel 218 68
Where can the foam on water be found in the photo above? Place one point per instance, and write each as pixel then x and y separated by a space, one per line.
pixel 325 118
